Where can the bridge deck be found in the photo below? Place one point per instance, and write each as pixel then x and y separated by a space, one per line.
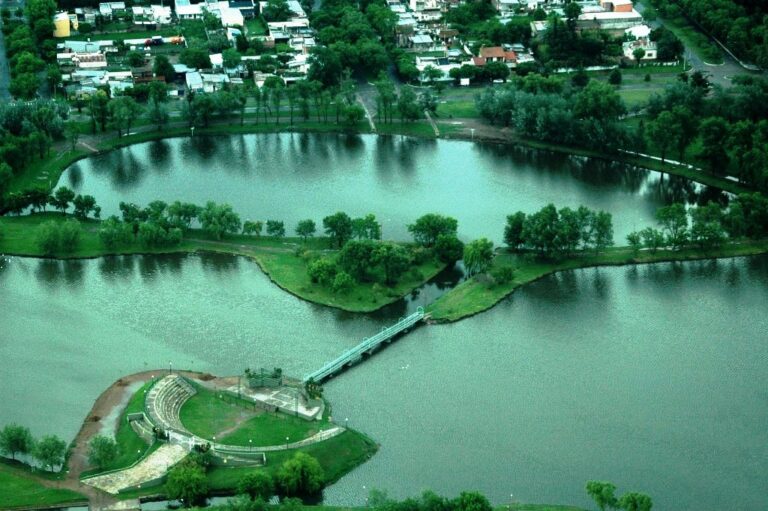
pixel 367 345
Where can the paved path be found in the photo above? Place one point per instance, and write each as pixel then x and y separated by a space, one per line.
pixel 432 122
pixel 367 113
pixel 148 469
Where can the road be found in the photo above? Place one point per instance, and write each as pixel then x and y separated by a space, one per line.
pixel 721 74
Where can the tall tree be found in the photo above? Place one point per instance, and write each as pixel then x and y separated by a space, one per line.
pixel 306 229
pixel 102 450
pixel 219 219
pixel 478 256
pixel 15 439
pixel 338 227
pixel 603 493
pixel 301 475
pixel 428 227
pixel 50 451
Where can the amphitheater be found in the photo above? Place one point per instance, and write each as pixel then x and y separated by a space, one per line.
pixel 162 407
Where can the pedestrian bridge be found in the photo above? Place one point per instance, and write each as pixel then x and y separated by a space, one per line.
pixel 366 347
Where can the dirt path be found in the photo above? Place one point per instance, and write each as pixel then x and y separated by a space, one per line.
pixel 102 407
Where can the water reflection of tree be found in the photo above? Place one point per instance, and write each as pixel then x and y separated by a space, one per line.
pixel 75 176
pixel 219 263
pixel 671 189
pixel 127 172
pixel 159 155
pixel 117 267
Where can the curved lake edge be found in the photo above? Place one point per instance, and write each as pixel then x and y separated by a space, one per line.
pixel 253 249
pixel 468 298
pixel 53 167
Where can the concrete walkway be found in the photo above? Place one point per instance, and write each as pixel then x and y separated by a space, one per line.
pixel 150 468
pixel 432 122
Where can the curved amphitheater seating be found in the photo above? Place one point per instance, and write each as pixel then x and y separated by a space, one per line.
pixel 165 400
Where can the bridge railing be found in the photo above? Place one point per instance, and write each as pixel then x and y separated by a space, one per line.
pixel 366 344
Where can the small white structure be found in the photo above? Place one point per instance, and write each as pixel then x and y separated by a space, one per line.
pixel 194 81
pixel 651 50
pixel 107 9
pixel 638 32
pixel 188 11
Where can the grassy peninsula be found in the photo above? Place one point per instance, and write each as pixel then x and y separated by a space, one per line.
pixel 284 260
pixel 480 293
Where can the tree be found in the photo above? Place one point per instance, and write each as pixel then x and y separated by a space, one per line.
pixel 69 235
pixel 250 227
pixel 615 77
pixel 478 256
pixel 513 231
pixel 653 239
pixel 707 227
pixel 195 57
pixel 50 451
pixel 356 258
pixel 231 58
pixel 674 221
pixel 393 259
pixel 663 132
pixel 306 229
pixel 53 77
pixel 407 105
pixel 366 228
pixel 114 233
pixel 83 205
pixel 471 501
pixel 61 198
pixel 257 485
pixel 601 228
pixel 123 111
pixel 102 450
pixel 158 114
pixel 427 228
pixel 181 214
pixel 635 502
pixel 714 133
pixel 135 58
pixel 301 475
pixel 15 439
pixel 635 241
pixel 277 10
pixel 99 110
pixel 24 86
pixel 448 248
pixel 342 282
pixel 275 228
pixel 638 53
pixel 602 493
pixel 187 483
pixel 162 67
pixel 219 219
pixel 338 227
pixel 47 238
pixel 322 271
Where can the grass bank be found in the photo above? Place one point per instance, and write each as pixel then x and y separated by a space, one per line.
pixel 131 447
pixel 19 487
pixel 283 260
pixel 480 293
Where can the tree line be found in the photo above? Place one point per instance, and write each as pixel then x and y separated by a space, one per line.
pixel 27 132
pixel 548 109
pixel 739 24
pixel 707 226
pixel 49 451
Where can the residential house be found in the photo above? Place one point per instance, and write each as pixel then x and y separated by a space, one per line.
pixel 651 50
pixel 213 81
pixel 194 81
pixel 187 11
pixel 144 74
pixel 495 54
pixel 507 6
pixel 617 5
pixel 421 42
pixel 246 7
pixel 110 9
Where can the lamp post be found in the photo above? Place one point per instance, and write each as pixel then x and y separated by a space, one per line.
pixel 170 367
pixel 250 444
pixel 286 442
pixel 472 130
pixel 346 422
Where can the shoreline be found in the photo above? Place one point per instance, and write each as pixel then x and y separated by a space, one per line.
pixel 54 166
pixel 441 316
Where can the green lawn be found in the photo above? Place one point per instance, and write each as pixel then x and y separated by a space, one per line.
pixel 457 108
pixel 120 36
pixel 272 429
pixel 476 295
pixel 206 414
pixel 18 488
pixel 276 257
pixel 255 27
